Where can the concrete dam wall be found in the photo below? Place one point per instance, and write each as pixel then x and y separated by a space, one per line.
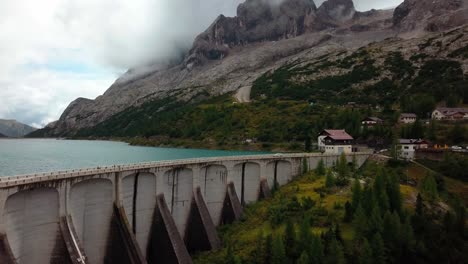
pixel 146 213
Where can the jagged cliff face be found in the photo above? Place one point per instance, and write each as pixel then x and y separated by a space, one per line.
pixel 233 52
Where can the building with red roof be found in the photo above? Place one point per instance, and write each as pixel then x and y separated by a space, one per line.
pixel 334 141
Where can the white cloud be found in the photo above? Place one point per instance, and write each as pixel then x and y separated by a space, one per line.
pixel 53 51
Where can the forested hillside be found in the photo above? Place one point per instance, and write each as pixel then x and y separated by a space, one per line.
pixel 380 214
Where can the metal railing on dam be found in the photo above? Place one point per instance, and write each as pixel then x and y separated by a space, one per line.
pixel 156 212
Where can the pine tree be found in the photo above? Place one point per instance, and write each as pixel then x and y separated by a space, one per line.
pixel 336 253
pixel 348 217
pixel 305 236
pixel 379 183
pixel 378 249
pixel 357 194
pixel 360 223
pixel 375 221
pixel 304 258
pixel 320 170
pixel 407 235
pixel 366 254
pixel 380 192
pixel 391 233
pixel 394 194
pixel 368 201
pixel 429 187
pixel 419 205
pixel 278 252
pixel 383 201
pixel 290 240
pixel 330 180
pixel 317 250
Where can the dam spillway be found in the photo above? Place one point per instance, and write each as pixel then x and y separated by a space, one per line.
pixel 157 212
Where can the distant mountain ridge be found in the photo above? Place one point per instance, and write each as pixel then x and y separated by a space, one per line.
pixel 235 51
pixel 15 129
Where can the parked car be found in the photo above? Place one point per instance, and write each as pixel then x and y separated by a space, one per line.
pixel 457 148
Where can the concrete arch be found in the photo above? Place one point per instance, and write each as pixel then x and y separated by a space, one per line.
pixel 213 180
pixel 177 187
pixel 246 178
pixel 139 203
pixel 279 171
pixel 91 210
pixel 32 226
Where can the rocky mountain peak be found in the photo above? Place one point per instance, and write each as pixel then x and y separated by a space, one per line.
pixel 430 15
pixel 256 21
pixel 337 10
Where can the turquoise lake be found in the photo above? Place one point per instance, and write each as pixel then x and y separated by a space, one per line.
pixel 25 156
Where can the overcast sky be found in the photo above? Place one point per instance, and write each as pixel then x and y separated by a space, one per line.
pixel 54 51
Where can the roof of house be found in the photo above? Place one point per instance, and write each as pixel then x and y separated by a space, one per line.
pixel 412 141
pixel 337 134
pixel 451 111
pixel 408 115
pixel 375 119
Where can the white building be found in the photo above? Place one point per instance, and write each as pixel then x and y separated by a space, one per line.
pixel 407 148
pixel 444 113
pixel 408 118
pixel 335 142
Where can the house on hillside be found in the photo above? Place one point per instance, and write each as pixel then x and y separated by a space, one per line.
pixel 372 121
pixel 335 142
pixel 408 118
pixel 452 114
pixel 407 148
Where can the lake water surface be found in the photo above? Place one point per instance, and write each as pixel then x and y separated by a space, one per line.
pixel 25 156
